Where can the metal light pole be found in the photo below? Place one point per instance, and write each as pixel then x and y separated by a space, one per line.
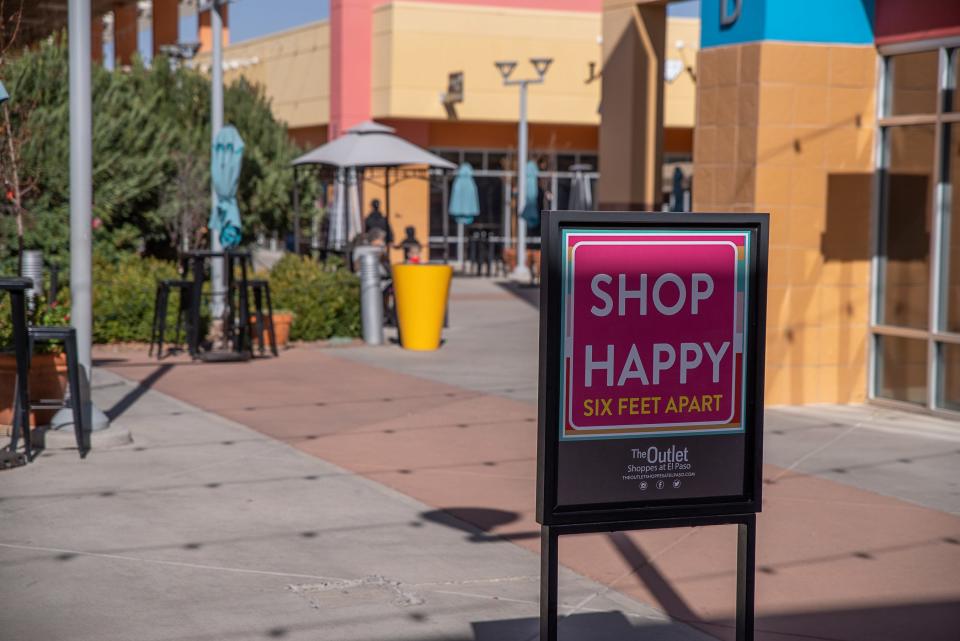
pixel 506 68
pixel 81 203
pixel 216 123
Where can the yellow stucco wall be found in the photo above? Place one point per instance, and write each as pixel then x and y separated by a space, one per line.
pixel 294 68
pixel 789 129
pixel 417 44
pixel 680 94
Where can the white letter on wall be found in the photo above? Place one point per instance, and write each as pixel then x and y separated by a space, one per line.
pixel 687 364
pixel 716 357
pixel 681 299
pixel 602 295
pixel 632 293
pixel 700 294
pixel 592 365
pixel 661 365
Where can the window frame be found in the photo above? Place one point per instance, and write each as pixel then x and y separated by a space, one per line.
pixel 935 334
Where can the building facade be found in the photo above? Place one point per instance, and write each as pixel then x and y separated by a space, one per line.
pixel 841 119
pixel 397 62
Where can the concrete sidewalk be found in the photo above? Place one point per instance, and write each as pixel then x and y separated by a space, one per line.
pixel 858 541
pixel 205 530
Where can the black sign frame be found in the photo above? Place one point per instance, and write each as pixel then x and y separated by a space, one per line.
pixel 551 360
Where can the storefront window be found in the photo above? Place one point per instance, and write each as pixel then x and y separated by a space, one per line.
pixel 905 236
pixel 497 161
pixel 953 81
pixel 916 290
pixel 903 369
pixel 912 83
pixel 951 232
pixel 475 158
pixel 949 376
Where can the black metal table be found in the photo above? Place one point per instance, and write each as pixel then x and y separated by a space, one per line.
pixel 236 326
pixel 16 288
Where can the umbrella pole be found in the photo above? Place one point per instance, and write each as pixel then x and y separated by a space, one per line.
pixel 446 219
pixel 386 198
pixel 296 213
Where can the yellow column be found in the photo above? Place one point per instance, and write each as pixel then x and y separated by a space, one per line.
pixel 631 106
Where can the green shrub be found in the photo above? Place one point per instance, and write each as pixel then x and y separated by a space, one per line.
pixel 46 312
pixel 123 297
pixel 324 303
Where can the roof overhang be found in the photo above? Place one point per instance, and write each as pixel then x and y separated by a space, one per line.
pixel 40 18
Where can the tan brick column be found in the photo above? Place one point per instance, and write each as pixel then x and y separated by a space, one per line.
pixel 124 33
pixel 788 128
pixel 631 106
pixel 166 23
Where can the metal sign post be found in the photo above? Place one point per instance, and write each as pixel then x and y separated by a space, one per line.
pixel 651 381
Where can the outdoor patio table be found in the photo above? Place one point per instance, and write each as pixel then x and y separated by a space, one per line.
pixel 236 326
pixel 16 288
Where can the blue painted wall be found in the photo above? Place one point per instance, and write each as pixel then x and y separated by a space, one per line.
pixel 821 21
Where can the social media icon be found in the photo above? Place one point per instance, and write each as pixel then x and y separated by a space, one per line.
pixel 676 483
pixel 643 485
pixel 659 485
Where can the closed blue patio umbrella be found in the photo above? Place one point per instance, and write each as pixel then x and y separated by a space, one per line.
pixel 531 200
pixel 225 171
pixel 464 203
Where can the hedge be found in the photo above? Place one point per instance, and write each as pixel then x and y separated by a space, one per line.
pixel 325 303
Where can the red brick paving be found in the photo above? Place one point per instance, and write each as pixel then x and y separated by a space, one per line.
pixel 836 563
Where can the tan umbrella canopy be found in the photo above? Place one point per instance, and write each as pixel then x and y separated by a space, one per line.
pixel 366 145
pixel 371 144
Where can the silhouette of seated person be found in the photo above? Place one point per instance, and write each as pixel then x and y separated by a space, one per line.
pixel 412 249
pixel 376 220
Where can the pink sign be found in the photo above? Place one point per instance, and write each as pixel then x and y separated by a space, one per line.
pixel 653 331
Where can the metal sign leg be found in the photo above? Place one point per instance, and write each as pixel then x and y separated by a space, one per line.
pixel 746 576
pixel 746 563
pixel 548 583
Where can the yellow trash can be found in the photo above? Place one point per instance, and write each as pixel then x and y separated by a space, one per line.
pixel 421 292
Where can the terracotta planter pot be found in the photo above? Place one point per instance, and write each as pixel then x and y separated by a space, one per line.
pixel 281 326
pixel 48 380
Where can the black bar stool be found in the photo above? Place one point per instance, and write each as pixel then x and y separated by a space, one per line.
pixel 16 288
pixel 161 302
pixel 236 325
pixel 261 294
pixel 67 336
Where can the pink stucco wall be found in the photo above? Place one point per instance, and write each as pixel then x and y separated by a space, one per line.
pixel 351 27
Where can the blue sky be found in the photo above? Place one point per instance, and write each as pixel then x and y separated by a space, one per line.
pixel 254 18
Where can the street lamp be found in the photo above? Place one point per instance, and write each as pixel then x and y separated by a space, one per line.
pixel 506 69
pixel 215 7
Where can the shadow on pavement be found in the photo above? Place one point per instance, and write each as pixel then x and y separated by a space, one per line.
pixel 530 294
pixel 930 621
pixel 471 519
pixel 595 626
pixel 137 392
